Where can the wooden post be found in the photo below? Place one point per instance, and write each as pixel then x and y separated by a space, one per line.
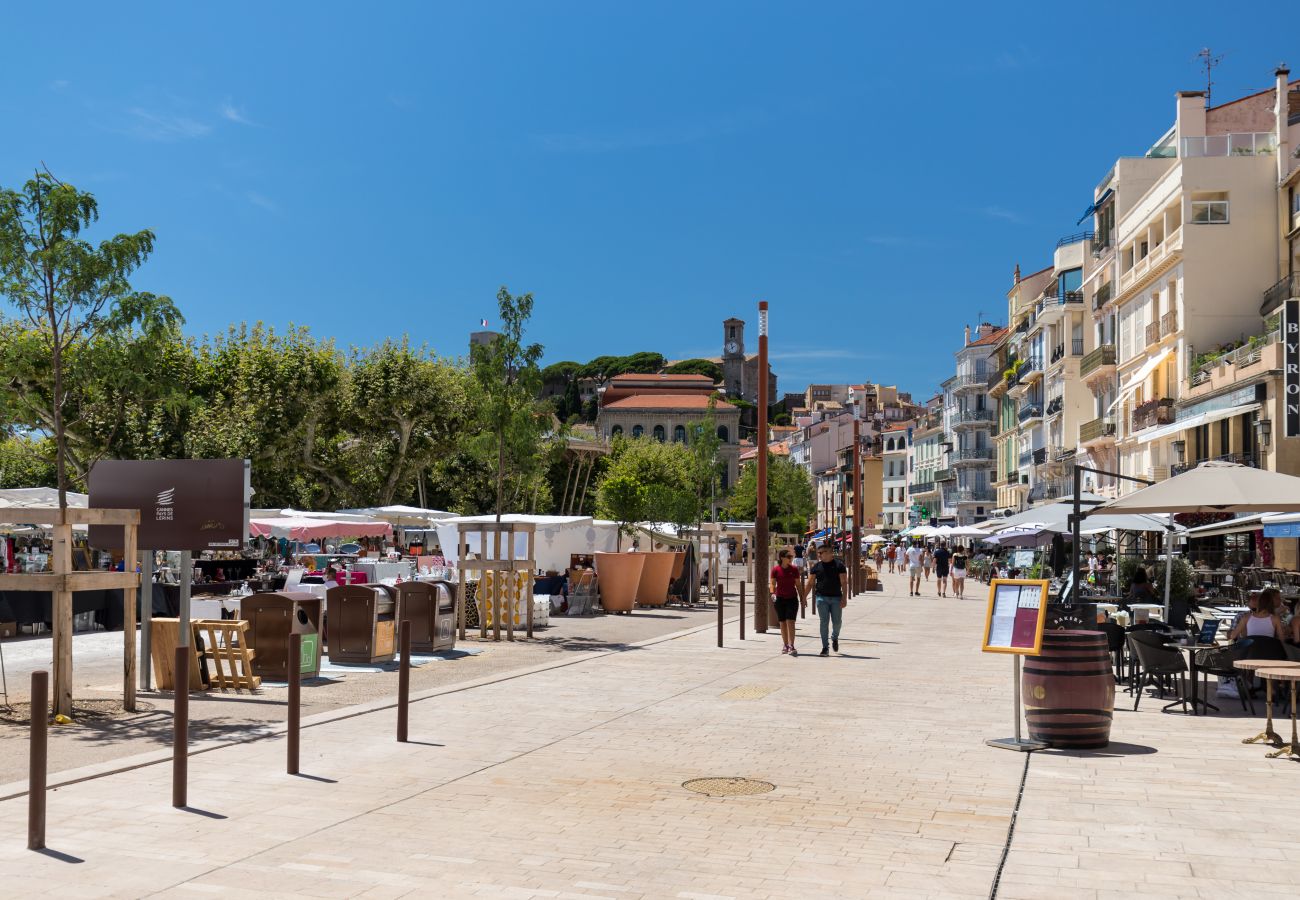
pixel 496 594
pixel 295 702
pixel 528 580
pixel 146 618
pixel 129 595
pixel 742 608
pixel 462 550
pixel 62 613
pixel 181 726
pixel 404 682
pixel 38 761
pixel 717 593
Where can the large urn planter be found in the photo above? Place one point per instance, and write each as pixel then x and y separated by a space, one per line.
pixel 617 578
pixel 655 575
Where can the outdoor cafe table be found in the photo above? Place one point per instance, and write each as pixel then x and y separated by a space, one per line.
pixel 1292 676
pixel 1194 671
pixel 1254 665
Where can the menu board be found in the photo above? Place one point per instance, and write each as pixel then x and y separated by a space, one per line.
pixel 1016 613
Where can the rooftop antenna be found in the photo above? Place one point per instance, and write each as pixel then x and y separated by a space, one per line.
pixel 1208 62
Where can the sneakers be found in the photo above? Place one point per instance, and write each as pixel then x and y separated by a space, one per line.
pixel 825 652
pixel 835 645
pixel 793 651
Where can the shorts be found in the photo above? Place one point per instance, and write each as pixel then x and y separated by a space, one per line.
pixel 941 571
pixel 786 610
pixel 914 571
pixel 958 573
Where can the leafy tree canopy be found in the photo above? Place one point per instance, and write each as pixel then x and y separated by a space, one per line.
pixel 704 367
pixel 790 500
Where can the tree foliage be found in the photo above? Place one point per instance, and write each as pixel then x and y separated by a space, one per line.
pixel 706 367
pixel 649 481
pixel 606 367
pixel 790 500
pixel 68 294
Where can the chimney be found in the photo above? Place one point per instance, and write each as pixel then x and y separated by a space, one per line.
pixel 1015 279
pixel 1281 112
pixel 987 328
pixel 967 336
pixel 1190 120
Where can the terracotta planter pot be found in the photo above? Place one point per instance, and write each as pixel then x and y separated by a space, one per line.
pixel 617 577
pixel 679 563
pixel 655 574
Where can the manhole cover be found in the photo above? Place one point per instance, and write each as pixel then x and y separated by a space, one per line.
pixel 727 787
pixel 749 692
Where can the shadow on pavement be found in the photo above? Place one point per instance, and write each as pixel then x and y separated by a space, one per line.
pixel 582 643
pixel 202 812
pixel 1113 749
pixel 61 857
pixel 325 780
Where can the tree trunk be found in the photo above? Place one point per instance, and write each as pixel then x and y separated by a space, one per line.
pixel 501 472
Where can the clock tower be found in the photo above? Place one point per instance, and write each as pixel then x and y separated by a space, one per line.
pixel 733 357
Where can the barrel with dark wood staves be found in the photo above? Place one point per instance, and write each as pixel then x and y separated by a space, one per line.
pixel 1069 690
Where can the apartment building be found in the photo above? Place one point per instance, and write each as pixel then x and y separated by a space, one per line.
pixel 1016 383
pixel 1193 258
pixel 966 481
pixel 928 458
pixel 893 483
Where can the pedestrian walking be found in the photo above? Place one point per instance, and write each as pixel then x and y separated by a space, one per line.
pixel 958 572
pixel 941 558
pixel 880 558
pixel 829 580
pixel 799 560
pixel 744 552
pixel 787 596
pixel 891 552
pixel 927 562
pixel 913 557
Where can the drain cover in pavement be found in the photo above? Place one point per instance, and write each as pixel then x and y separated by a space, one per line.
pixel 749 692
pixel 727 787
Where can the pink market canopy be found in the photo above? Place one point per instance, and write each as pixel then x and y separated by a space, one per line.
pixel 303 529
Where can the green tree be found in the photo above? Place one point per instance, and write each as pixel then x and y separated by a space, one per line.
pixel 68 291
pixel 26 461
pixel 648 481
pixel 790 500
pixel 706 367
pixel 508 379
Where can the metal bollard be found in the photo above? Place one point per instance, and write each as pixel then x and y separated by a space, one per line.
pixel 742 609
pixel 718 596
pixel 404 682
pixel 181 728
pixel 295 701
pixel 39 760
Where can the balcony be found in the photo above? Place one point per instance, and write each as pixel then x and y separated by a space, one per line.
pixel 1076 346
pixel 921 487
pixel 1259 143
pixel 1058 354
pixel 1097 431
pixel 971 418
pixel 971 495
pixel 996 381
pixel 1238 458
pixel 1285 289
pixel 948 474
pixel 1101 296
pixel 1153 412
pixel 971 455
pixel 1040 456
pixel 1074 238
pixel 1101 358
pixel 1153 333
pixel 1026 459
pixel 1205 366
pixel 1055 405
pixel 1101 243
pixel 1029 412
pixel 967 382
pixel 1168 323
pixel 1155 258
pixel 1051 489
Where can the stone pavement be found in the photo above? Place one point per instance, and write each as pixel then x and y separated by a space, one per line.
pixel 568 783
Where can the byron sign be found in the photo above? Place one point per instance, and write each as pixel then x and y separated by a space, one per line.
pixel 185 504
pixel 1291 365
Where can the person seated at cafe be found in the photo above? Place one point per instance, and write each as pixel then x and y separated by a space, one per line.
pixel 1262 621
pixel 1140 589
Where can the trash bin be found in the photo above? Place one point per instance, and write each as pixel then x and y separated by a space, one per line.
pixel 272 617
pixel 431 608
pixel 362 623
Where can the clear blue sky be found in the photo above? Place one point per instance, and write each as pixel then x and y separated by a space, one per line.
pixel 873 170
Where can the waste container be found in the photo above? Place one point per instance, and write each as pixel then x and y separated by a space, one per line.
pixel 362 623
pixel 272 617
pixel 431 608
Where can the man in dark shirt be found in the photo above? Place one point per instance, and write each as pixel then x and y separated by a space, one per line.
pixel 829 579
pixel 942 556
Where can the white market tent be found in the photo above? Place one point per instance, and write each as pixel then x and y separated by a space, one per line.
pixel 401 515
pixel 556 537
pixel 310 528
pixel 31 498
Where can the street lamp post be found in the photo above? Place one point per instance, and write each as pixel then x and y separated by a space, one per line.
pixel 856 551
pixel 760 516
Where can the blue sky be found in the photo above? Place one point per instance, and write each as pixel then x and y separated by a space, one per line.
pixel 646 170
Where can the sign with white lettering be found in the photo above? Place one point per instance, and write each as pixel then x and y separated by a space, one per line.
pixel 1291 362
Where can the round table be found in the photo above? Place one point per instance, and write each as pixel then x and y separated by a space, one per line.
pixel 1254 665
pixel 1292 677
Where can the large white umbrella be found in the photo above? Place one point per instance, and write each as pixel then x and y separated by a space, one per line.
pixel 1214 486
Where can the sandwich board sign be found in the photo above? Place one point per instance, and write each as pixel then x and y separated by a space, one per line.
pixel 1013 624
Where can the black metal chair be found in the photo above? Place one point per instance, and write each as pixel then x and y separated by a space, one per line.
pixel 1219 662
pixel 1158 663
pixel 1115 644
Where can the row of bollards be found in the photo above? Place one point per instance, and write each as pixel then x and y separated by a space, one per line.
pixel 40 704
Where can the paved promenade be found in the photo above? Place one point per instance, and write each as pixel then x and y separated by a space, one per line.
pixel 567 783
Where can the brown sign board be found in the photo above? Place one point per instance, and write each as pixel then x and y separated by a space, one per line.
pixel 185 504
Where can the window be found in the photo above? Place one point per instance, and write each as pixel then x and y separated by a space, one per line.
pixel 616 431
pixel 659 433
pixel 1210 208
pixel 637 431
pixel 679 434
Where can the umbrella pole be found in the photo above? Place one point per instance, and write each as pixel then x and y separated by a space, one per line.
pixel 1169 570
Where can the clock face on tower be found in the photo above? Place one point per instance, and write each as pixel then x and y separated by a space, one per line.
pixel 732 346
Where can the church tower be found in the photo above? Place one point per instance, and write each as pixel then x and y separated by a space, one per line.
pixel 733 357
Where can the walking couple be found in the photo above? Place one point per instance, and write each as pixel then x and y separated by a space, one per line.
pixel 828 579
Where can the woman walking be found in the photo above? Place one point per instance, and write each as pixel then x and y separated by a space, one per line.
pixel 927 561
pixel 958 572
pixel 788 596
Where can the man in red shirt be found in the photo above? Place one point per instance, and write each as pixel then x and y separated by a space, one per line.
pixel 787 591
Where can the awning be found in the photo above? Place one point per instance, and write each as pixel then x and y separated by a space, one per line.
pixel 1155 434
pixel 1281 525
pixel 1138 377
pixel 1097 204
pixel 1232 526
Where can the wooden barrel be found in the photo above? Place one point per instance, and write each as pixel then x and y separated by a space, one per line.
pixel 1069 690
